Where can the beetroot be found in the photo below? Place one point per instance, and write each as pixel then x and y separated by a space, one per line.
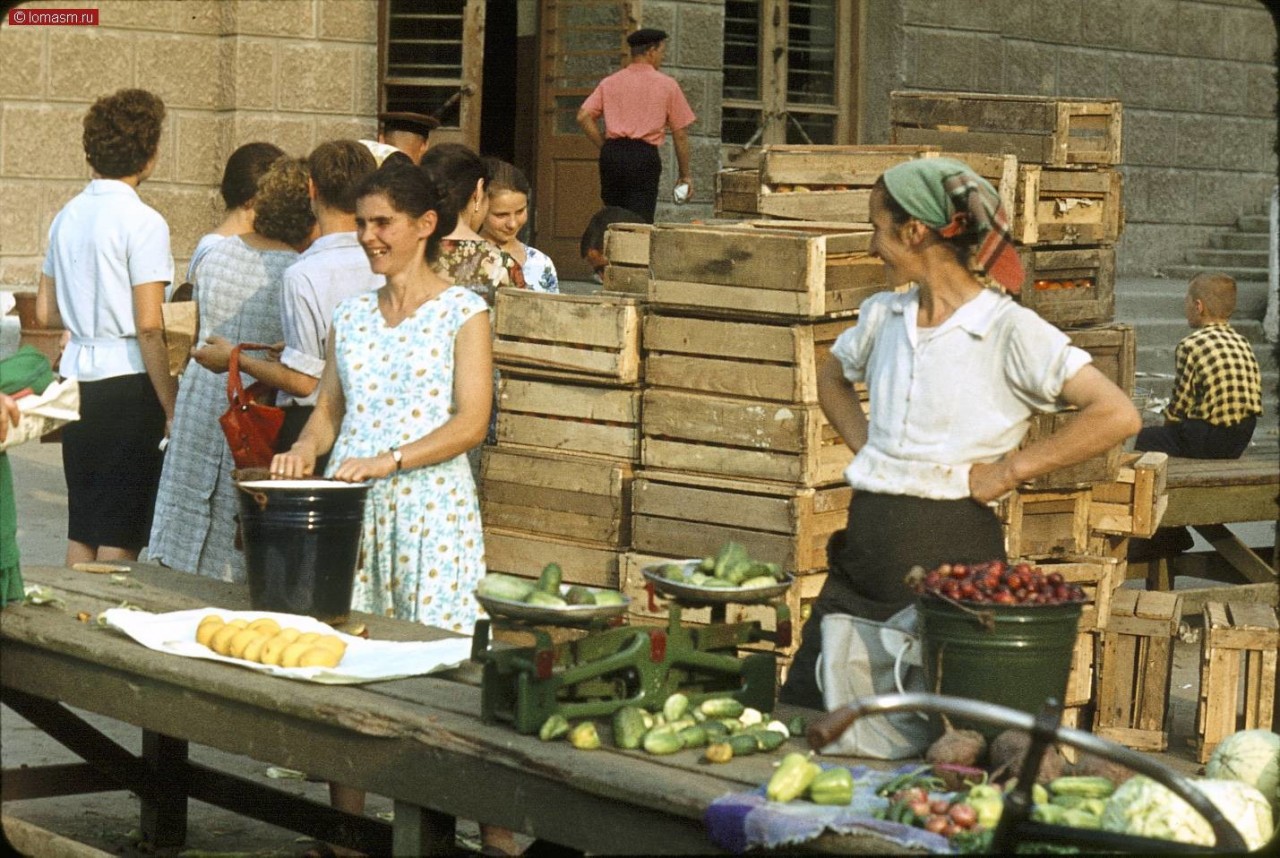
pixel 1008 751
pixel 957 748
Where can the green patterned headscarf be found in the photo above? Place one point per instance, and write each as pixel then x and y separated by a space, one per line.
pixel 950 197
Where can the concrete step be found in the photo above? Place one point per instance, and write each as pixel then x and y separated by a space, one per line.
pixel 1214 258
pixel 1138 299
pixel 1159 359
pixel 1241 273
pixel 1168 332
pixel 1241 241
pixel 1254 223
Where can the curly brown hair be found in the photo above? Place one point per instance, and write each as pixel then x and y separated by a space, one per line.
pixel 283 206
pixel 122 132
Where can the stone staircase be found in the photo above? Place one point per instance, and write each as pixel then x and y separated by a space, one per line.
pixel 1153 305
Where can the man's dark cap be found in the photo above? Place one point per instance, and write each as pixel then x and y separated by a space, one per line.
pixel 418 123
pixel 647 36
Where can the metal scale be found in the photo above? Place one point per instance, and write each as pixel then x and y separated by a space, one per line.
pixel 615 664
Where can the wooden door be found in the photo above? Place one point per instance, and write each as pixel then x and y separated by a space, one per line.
pixel 431 60
pixel 581 42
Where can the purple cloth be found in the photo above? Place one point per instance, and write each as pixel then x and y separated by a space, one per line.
pixel 746 820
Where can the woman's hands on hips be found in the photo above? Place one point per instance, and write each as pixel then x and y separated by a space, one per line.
pixel 359 470
pixel 296 464
pixel 989 481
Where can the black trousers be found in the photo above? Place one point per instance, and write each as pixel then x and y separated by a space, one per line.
pixel 885 537
pixel 629 174
pixel 1198 439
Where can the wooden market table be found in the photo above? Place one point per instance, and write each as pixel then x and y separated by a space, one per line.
pixel 419 741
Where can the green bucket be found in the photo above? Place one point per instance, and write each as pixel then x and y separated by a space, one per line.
pixel 1019 661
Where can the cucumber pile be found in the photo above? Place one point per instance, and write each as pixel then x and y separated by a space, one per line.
pixel 731 567
pixel 720 725
pixel 546 592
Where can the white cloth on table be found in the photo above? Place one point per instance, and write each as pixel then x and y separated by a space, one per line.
pixel 944 398
pixel 194 527
pixel 331 270
pixel 423 548
pixel 102 243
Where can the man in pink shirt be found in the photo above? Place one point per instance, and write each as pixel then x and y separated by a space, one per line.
pixel 638 103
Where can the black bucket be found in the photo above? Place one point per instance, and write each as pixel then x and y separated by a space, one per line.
pixel 1013 655
pixel 302 545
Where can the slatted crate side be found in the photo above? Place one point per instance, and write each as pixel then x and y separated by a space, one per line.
pixel 1062 206
pixel 524 554
pixel 756 360
pixel 1040 524
pixel 1070 287
pixel 558 335
pixel 1114 349
pixel 691 515
pixel 1240 644
pixel 626 280
pixel 738 191
pixel 1133 504
pixel 557 495
pixel 751 272
pixel 627 244
pixel 570 418
pixel 1080 678
pixel 1100 468
pixel 1038 129
pixel 734 437
pixel 1135 663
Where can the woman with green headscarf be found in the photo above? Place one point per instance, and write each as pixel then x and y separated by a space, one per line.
pixel 955 370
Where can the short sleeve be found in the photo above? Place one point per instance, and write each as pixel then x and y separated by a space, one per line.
pixel 1041 360
pixel 595 102
pixel 853 347
pixel 149 256
pixel 679 113
pixel 304 325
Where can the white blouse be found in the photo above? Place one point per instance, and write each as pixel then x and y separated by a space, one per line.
pixel 944 398
pixel 102 244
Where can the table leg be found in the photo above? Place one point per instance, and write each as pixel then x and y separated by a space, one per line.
pixel 420 831
pixel 164 814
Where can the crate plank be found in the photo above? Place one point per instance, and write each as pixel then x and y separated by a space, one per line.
pixel 627 244
pixel 1062 206
pixel 597 337
pixel 627 280
pixel 558 495
pixel 1046 523
pixel 524 553
pixel 1136 662
pixel 1114 350
pixel 1070 287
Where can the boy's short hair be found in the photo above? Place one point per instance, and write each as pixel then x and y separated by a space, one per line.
pixel 1216 291
pixel 336 167
pixel 122 132
pixel 283 208
pixel 244 169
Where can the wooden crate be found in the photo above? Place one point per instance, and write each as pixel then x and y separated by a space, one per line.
pixel 1080 679
pixel 569 418
pixel 1077 717
pixel 745 272
pixel 806 182
pixel 524 553
pixel 1240 643
pixel 745 438
pixel 1098 576
pixel 756 360
pixel 1070 287
pixel 1039 524
pixel 627 244
pixel 1134 666
pixel 587 337
pixel 647 608
pixel 1038 129
pixel 1114 349
pixel 687 515
pixel 1063 206
pixel 1134 503
pixel 1100 468
pixel 576 497
pixel 626 280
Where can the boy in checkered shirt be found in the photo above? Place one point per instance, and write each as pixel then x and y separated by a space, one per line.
pixel 1217 391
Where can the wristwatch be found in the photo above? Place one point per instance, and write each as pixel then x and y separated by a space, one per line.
pixel 397 457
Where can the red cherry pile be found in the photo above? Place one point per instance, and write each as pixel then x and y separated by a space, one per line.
pixel 996 582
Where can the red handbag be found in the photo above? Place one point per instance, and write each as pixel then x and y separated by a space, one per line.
pixel 251 425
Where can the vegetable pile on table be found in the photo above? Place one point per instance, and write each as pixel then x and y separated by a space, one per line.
pixel 731 567
pixel 546 592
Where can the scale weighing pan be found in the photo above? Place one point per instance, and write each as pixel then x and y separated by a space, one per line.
pixel 570 615
pixel 693 594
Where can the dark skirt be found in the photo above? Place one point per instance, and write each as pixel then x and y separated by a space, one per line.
pixel 112 460
pixel 886 536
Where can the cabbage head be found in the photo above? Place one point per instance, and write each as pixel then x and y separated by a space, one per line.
pixel 1252 757
pixel 1145 808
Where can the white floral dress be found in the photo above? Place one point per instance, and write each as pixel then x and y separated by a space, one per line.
pixel 423 547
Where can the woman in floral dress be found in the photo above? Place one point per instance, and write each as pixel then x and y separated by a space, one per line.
pixel 406 391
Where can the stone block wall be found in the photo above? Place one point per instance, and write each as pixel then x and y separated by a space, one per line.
pixel 1197 79
pixel 292 72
